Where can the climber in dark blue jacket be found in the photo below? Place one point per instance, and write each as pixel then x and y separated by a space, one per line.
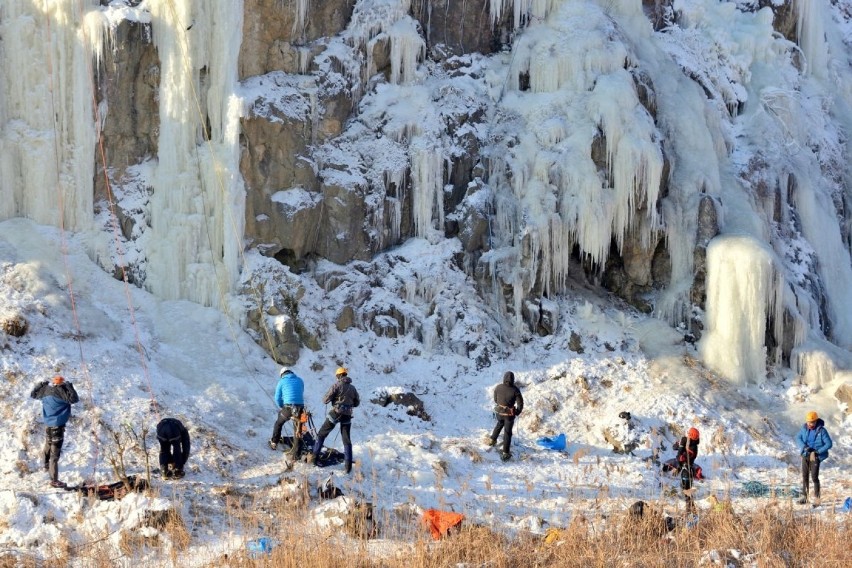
pixel 56 397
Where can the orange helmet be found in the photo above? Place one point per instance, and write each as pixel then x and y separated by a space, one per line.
pixel 811 416
pixel 341 371
pixel 692 434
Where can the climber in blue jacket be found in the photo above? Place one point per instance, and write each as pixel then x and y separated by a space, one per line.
pixel 814 443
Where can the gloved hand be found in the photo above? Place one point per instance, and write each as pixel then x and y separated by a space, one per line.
pixel 806 450
pixel 517 412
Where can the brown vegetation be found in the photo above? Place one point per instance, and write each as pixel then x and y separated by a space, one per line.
pixel 777 535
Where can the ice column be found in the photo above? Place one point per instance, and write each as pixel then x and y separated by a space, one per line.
pixel 743 290
pixel 48 140
pixel 197 208
pixel 811 33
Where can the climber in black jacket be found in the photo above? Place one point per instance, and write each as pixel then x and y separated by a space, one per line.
pixel 508 403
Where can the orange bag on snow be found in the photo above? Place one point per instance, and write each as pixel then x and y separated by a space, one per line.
pixel 439 523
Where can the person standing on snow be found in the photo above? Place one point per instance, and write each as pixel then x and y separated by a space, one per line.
pixel 814 443
pixel 290 400
pixel 56 397
pixel 343 398
pixel 508 403
pixel 174 447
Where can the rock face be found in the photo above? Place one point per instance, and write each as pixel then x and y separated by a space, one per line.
pixel 127 91
pixel 327 177
pixel 277 38
pixel 456 28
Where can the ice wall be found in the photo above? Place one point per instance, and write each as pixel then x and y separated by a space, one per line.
pixel 47 145
pixel 197 208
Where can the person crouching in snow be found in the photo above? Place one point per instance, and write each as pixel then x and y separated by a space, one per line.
pixel 508 403
pixel 174 447
pixel 687 451
pixel 814 443
pixel 56 397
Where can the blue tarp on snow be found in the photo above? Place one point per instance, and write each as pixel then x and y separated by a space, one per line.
pixel 557 443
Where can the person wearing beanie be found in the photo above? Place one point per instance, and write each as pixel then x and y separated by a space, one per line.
pixel 508 403
pixel 174 447
pixel 56 397
pixel 343 397
pixel 290 400
pixel 814 443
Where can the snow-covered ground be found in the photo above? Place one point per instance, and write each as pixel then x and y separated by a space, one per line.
pixel 175 358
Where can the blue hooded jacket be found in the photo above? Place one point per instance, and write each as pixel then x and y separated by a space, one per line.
pixel 818 439
pixel 56 401
pixel 290 390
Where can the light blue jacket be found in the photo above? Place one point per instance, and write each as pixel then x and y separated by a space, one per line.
pixel 818 439
pixel 290 390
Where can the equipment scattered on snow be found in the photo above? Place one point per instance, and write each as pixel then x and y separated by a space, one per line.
pixel 112 491
pixel 556 443
pixel 442 523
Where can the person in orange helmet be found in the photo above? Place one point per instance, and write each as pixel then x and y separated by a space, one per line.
pixel 814 443
pixel 687 451
pixel 343 397
pixel 56 398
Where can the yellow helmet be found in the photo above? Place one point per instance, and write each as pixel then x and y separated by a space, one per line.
pixel 341 371
pixel 811 416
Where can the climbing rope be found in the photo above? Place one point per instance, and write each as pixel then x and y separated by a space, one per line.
pixel 60 193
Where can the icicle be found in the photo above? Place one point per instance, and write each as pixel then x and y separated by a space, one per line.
pixel 811 33
pixel 407 47
pixel 302 8
pixel 427 174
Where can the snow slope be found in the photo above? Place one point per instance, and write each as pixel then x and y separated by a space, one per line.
pixel 176 358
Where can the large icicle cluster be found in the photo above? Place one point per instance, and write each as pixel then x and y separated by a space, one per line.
pixel 579 92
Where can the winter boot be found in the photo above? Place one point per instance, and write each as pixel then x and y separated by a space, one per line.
pixel 685 479
pixel 273 445
pixel 505 456
pixel 490 442
pixel 802 500
pixel 58 484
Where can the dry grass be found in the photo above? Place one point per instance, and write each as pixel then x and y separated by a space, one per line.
pixel 776 535
pixel 766 538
